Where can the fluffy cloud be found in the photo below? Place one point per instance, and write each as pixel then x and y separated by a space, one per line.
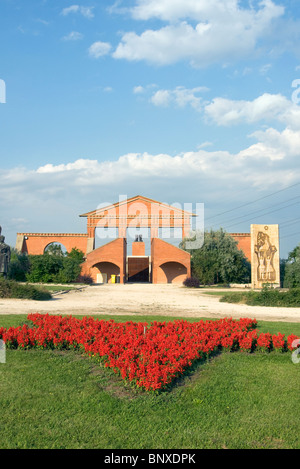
pixel 274 145
pixel 227 112
pixel 224 31
pixel 99 49
pixel 267 107
pixel 180 96
pixel 275 150
pixel 212 177
pixel 138 89
pixel 201 10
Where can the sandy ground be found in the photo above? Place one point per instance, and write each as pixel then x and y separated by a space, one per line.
pixel 139 299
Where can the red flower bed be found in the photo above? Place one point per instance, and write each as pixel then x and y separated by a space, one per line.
pixel 264 341
pixel 152 355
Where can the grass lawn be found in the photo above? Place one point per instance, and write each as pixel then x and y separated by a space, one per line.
pixel 52 399
pixel 55 288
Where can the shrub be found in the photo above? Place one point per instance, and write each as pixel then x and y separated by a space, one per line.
pixel 266 297
pixel 191 282
pixel 234 297
pixel 87 279
pixel 44 268
pixel 13 289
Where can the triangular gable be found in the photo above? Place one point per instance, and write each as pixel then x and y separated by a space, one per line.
pixel 137 199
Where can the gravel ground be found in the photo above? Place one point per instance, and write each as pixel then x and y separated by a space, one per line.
pixel 139 299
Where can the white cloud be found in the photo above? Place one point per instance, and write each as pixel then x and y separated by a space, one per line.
pixel 174 10
pixel 274 151
pixel 224 31
pixel 180 96
pixel 138 89
pixel 161 98
pixel 99 49
pixel 266 107
pixel 73 36
pixel 212 177
pixel 87 12
pixel 78 165
pixel 71 9
pixel 277 145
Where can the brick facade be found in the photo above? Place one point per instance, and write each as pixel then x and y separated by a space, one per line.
pixel 109 259
pixel 36 243
pixel 243 243
pixel 167 263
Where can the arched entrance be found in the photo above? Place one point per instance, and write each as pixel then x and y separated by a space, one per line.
pixel 105 271
pixel 173 272
pixel 55 248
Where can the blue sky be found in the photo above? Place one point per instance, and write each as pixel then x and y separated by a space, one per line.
pixel 183 101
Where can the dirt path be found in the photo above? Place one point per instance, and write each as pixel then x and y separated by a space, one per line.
pixel 139 299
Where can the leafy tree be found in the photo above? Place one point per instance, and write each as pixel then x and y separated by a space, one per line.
pixel 292 269
pixel 219 260
pixel 54 266
pixel 76 254
pixel 70 271
pixel 44 268
pixel 283 263
pixel 18 267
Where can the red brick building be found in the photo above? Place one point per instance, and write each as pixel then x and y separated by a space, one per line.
pixel 165 263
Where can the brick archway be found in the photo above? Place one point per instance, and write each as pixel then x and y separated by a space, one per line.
pixel 171 272
pixel 63 247
pixel 169 263
pixel 105 269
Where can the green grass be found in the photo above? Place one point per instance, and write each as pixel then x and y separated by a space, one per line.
pixel 55 288
pixel 52 399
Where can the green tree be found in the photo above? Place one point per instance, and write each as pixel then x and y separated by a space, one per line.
pixel 54 249
pixel 71 266
pixel 44 268
pixel 54 266
pixel 219 260
pixel 292 269
pixel 283 263
pixel 19 266
pixel 76 254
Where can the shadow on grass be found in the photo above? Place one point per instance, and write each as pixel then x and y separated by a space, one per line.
pixel 112 383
